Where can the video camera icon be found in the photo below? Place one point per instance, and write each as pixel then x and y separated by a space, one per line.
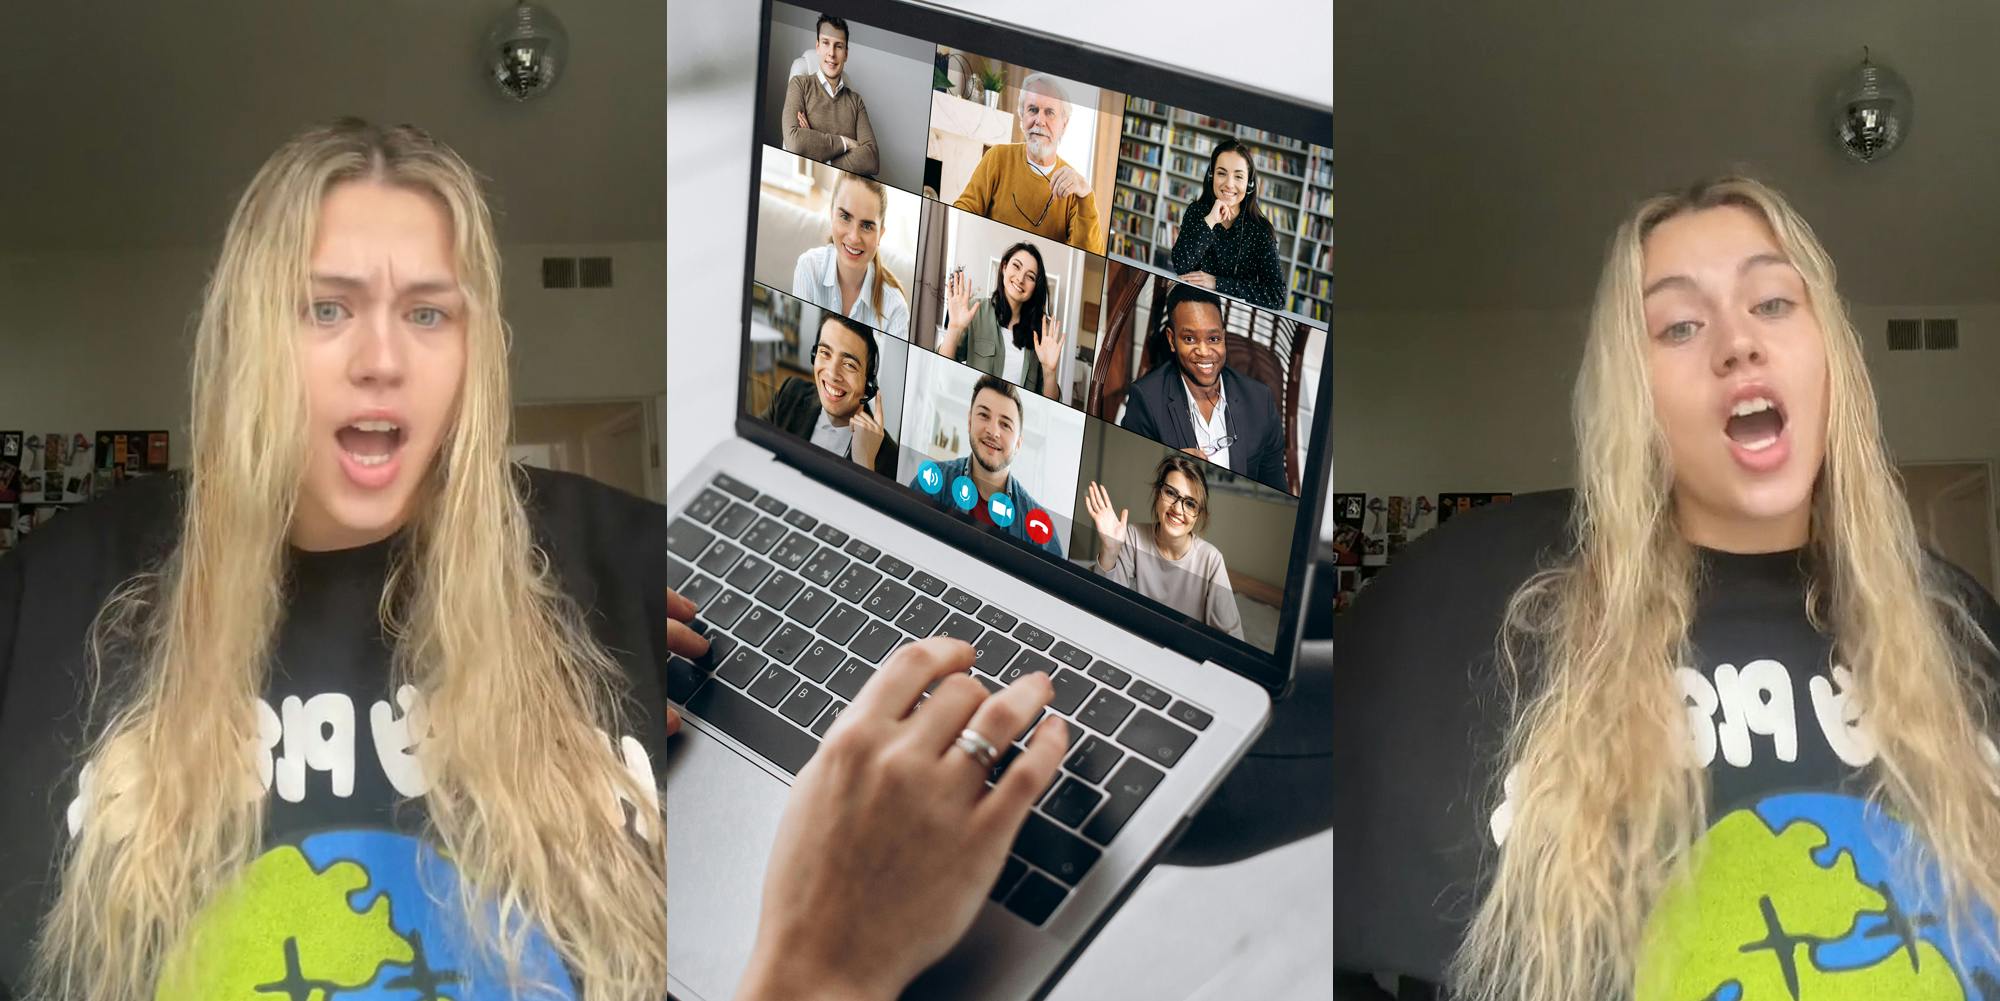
pixel 1000 508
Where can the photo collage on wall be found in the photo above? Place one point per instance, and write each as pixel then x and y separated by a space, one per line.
pixel 1371 530
pixel 45 473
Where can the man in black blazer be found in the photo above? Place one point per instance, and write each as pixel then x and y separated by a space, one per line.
pixel 837 410
pixel 1200 405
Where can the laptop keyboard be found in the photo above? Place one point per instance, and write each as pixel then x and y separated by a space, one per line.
pixel 799 615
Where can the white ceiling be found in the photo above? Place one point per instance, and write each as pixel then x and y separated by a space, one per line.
pixel 1485 151
pixel 137 125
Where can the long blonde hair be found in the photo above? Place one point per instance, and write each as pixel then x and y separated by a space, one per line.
pixel 1602 819
pixel 523 780
pixel 883 276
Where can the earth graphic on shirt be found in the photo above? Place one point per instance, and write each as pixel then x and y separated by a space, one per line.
pixel 1801 898
pixel 347 915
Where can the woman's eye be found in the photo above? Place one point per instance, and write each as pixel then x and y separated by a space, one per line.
pixel 326 312
pixel 427 316
pixel 1772 308
pixel 1678 332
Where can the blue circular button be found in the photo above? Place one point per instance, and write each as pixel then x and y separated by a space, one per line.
pixel 1001 509
pixel 930 477
pixel 964 494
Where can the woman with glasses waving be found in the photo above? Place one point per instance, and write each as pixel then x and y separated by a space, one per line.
pixel 1168 561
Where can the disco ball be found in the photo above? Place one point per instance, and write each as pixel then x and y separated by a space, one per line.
pixel 1871 112
pixel 525 51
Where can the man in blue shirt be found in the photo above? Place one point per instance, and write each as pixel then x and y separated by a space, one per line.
pixel 994 429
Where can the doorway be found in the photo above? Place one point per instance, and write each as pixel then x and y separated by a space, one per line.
pixel 614 442
pixel 1953 505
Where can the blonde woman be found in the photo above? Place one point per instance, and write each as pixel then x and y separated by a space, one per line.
pixel 1729 731
pixel 846 274
pixel 356 702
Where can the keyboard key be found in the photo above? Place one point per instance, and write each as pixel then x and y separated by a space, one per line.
pixel 688 540
pixel 720 557
pixel 683 677
pixel 727 608
pixel 1036 898
pixel 1129 786
pixel 701 590
pixel 705 507
pixel 794 551
pixel 677 573
pixel 992 687
pixel 894 567
pixel 1109 675
pixel 749 574
pixel 887 601
pixel 801 521
pixel 1054 850
pixel 773 685
pixel 780 590
pixel 1071 689
pixel 961 600
pixel 771 505
pixel 804 704
pixel 1104 712
pixel 756 727
pixel 1071 802
pixel 740 489
pixel 855 583
pixel 826 718
pixel 1151 735
pixel 1010 874
pixel 841 626
pixel 757 626
pixel 875 641
pixel 819 661
pixel 1007 756
pixel 1027 633
pixel 733 521
pixel 1075 731
pixel 789 642
pixel 720 646
pixel 825 566
pixel 742 667
pixel 993 616
pixel 1190 715
pixel 960 627
pixel 766 534
pixel 926 583
pixel 862 551
pixel 921 617
pixel 992 652
pixel 1093 759
pixel 1027 663
pixel 810 606
pixel 1070 655
pixel 847 681
pixel 830 535
pixel 1149 695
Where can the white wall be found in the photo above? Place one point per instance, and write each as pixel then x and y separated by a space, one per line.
pixel 102 341
pixel 1479 401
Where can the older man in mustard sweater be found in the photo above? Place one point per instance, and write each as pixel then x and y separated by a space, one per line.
pixel 1027 185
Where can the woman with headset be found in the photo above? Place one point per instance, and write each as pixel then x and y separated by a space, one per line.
pixel 838 411
pixel 1225 244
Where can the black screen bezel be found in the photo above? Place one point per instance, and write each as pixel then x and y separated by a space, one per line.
pixel 1086 64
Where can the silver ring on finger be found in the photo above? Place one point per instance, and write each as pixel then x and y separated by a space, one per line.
pixel 973 743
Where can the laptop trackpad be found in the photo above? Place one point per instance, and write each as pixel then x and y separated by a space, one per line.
pixel 722 814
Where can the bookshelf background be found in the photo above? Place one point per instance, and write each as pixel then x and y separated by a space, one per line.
pixel 1165 150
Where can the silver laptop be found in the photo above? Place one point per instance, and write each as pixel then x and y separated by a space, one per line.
pixel 815 550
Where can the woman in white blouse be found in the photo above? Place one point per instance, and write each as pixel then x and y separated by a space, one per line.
pixel 842 274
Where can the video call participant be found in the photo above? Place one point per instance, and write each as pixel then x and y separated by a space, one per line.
pixel 837 410
pixel 1026 185
pixel 845 274
pixel 1168 560
pixel 1200 405
pixel 993 426
pixel 217 673
pixel 1225 244
pixel 1008 334
pixel 1712 724
pixel 825 119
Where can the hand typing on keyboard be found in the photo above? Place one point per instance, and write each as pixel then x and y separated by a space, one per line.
pixel 681 640
pixel 892 837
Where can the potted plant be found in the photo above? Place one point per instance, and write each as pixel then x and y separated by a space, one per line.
pixel 992 81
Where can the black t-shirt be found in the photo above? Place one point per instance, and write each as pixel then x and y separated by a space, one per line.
pixel 1796 896
pixel 346 895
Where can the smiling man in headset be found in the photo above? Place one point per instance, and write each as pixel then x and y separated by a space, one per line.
pixel 838 411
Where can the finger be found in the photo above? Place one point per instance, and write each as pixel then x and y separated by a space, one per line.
pixel 1124 519
pixel 894 689
pixel 680 607
pixel 1006 807
pixel 673 721
pixel 1006 715
pixel 685 641
pixel 945 713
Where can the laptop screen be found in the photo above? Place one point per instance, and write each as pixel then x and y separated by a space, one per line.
pixel 1089 323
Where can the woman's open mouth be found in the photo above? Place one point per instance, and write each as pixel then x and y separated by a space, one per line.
pixel 1756 430
pixel 369 449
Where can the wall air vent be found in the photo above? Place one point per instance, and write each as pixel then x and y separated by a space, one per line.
pixel 1906 335
pixel 558 272
pixel 1941 334
pixel 593 272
